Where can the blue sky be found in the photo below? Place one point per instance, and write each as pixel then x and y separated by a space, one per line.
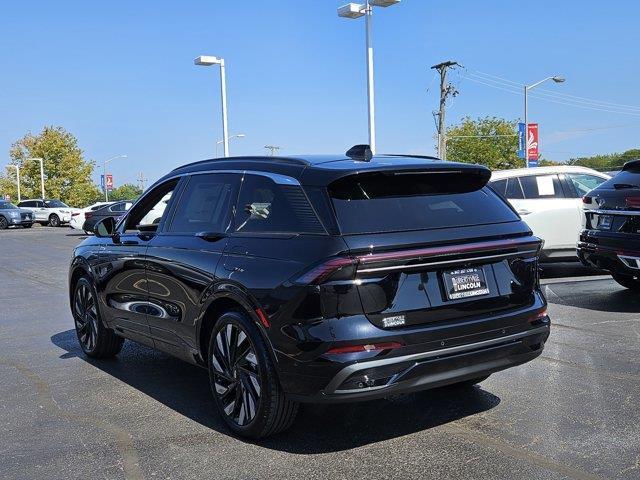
pixel 120 74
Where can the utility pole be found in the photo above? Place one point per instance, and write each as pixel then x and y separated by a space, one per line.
pixel 273 148
pixel 141 180
pixel 446 90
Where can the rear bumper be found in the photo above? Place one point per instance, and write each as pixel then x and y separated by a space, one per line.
pixel 379 378
pixel 611 252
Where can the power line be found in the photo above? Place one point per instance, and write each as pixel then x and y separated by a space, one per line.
pixel 560 102
pixel 573 100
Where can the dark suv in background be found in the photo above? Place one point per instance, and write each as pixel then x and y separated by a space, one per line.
pixel 611 239
pixel 315 279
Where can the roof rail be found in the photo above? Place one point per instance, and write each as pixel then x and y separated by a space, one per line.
pixel 408 155
pixel 265 159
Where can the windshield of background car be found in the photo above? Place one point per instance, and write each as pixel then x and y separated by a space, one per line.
pixel 56 204
pixel 392 202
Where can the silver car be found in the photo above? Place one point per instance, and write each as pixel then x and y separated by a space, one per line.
pixel 10 215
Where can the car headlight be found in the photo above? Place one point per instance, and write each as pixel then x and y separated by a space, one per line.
pixel 14 214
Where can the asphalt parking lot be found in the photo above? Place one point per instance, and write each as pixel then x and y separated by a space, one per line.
pixel 572 413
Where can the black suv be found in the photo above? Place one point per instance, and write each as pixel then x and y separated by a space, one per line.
pixel 315 278
pixel 611 239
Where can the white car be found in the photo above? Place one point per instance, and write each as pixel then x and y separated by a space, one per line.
pixel 48 212
pixel 549 200
pixel 78 218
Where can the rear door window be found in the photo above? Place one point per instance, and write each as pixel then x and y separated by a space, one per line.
pixel 541 186
pixel 514 189
pixel 265 206
pixel 206 205
pixel 389 202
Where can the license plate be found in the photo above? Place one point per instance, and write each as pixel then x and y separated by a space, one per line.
pixel 465 283
pixel 604 222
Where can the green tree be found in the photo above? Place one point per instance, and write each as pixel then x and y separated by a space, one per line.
pixel 67 174
pixel 490 141
pixel 127 191
pixel 604 162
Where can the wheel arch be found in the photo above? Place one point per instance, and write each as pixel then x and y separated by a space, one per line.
pixel 228 297
pixel 78 269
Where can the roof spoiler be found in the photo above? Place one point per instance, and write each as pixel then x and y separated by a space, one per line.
pixel 631 165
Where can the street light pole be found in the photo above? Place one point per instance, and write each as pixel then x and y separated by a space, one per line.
pixel 41 173
pixel 104 175
pixel 556 79
pixel 370 89
pixel 17 179
pixel 352 11
pixel 206 61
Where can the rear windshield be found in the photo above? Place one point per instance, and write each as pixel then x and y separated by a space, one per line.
pixel 383 202
pixel 624 179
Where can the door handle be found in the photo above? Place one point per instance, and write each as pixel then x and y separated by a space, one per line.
pixel 130 242
pixel 523 211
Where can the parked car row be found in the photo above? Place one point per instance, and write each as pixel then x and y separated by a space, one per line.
pixel 55 213
pixel 549 199
pixel 86 218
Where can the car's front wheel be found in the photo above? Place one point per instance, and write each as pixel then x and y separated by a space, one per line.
pixel 243 379
pixel 3 223
pixel 54 220
pixel 627 281
pixel 95 339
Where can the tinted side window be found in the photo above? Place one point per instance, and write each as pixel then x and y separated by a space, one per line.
pixel 584 183
pixel 27 203
pixel 152 209
pixel 500 187
pixel 206 205
pixel 267 207
pixel 514 190
pixel 541 186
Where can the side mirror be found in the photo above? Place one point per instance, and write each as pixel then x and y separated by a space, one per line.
pixel 105 227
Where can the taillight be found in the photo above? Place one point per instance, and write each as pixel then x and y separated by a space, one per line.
pixel 632 202
pixel 586 200
pixel 371 347
pixel 263 318
pixel 344 267
pixel 74 214
pixel 538 316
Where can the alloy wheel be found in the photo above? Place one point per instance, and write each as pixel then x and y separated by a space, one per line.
pixel 86 317
pixel 236 374
pixel 3 223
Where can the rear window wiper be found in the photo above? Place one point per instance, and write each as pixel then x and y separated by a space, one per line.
pixel 622 186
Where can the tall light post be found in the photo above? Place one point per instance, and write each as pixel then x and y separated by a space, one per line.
pixel 239 135
pixel 104 175
pixel 41 173
pixel 357 10
pixel 17 167
pixel 207 61
pixel 556 79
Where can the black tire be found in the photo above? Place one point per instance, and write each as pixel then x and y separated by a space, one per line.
pixel 244 382
pixel 28 225
pixel 627 281
pixel 54 220
pixel 95 339
pixel 3 223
